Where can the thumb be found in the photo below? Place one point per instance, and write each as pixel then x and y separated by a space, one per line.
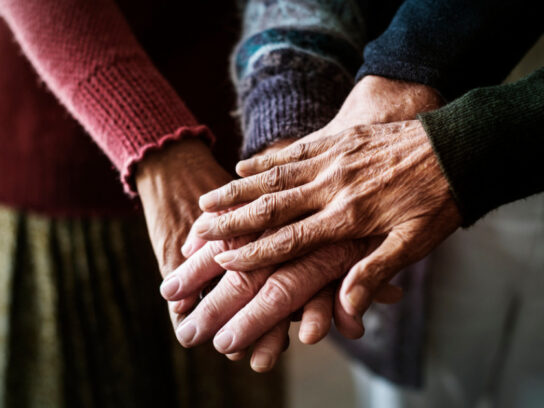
pixel 368 279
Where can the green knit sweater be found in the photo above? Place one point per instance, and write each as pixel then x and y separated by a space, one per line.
pixel 490 143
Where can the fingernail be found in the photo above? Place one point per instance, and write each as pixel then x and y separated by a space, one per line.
pixel 186 250
pixel 242 167
pixel 186 333
pixel 208 200
pixel 202 227
pixel 223 340
pixel 261 361
pixel 309 332
pixel 225 258
pixel 170 287
pixel 355 297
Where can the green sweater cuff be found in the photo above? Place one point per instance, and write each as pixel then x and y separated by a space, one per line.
pixel 490 144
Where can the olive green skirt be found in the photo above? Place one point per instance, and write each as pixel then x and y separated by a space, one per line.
pixel 82 324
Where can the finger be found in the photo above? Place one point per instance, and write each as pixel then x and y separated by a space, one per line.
pixel 248 189
pixel 193 243
pixel 286 243
pixel 288 289
pixel 295 152
pixel 349 326
pixel 192 275
pixel 317 316
pixel 232 292
pixel 374 271
pixel 268 211
pixel 269 347
pixel 237 356
pixel 185 305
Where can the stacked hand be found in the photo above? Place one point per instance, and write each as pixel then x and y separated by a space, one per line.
pixel 354 196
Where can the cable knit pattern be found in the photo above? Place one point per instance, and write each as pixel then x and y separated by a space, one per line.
pixel 86 54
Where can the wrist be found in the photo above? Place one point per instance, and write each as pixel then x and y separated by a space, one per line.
pixel 183 170
pixel 376 99
pixel 187 151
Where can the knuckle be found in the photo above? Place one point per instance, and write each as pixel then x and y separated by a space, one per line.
pixel 273 179
pixel 223 223
pixel 265 207
pixel 267 160
pixel 240 283
pixel 232 191
pixel 371 275
pixel 298 152
pixel 277 294
pixel 210 310
pixel 288 239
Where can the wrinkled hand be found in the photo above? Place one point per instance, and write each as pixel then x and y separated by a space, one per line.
pixel 200 269
pixel 379 180
pixel 244 305
pixel 232 293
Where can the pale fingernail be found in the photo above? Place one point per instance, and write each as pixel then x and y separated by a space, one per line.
pixel 208 200
pixel 170 287
pixel 223 340
pixel 261 361
pixel 224 258
pixel 242 167
pixel 309 332
pixel 186 250
pixel 186 333
pixel 355 297
pixel 202 227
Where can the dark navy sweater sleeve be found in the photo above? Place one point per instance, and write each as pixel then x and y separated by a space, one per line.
pixel 454 45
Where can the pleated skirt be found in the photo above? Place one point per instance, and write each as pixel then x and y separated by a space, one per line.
pixel 82 324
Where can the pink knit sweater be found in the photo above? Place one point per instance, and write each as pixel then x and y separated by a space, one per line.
pixel 89 58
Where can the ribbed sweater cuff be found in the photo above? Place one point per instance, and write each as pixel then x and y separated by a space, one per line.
pixel 132 109
pixel 401 70
pixel 490 146
pixel 290 105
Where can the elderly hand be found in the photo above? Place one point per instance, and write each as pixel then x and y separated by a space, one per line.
pixel 234 291
pixel 245 305
pixel 379 180
pixel 225 300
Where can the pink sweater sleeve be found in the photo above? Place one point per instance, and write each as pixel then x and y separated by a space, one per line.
pixel 87 55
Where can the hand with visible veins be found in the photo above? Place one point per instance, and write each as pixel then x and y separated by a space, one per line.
pixel 245 305
pixel 183 285
pixel 380 180
pixel 409 98
pixel 169 183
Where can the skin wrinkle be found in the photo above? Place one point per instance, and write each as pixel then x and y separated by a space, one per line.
pixel 369 102
pixel 362 169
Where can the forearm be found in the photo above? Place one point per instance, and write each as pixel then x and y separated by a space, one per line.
pixel 490 144
pixel 453 46
pixel 88 57
pixel 294 67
